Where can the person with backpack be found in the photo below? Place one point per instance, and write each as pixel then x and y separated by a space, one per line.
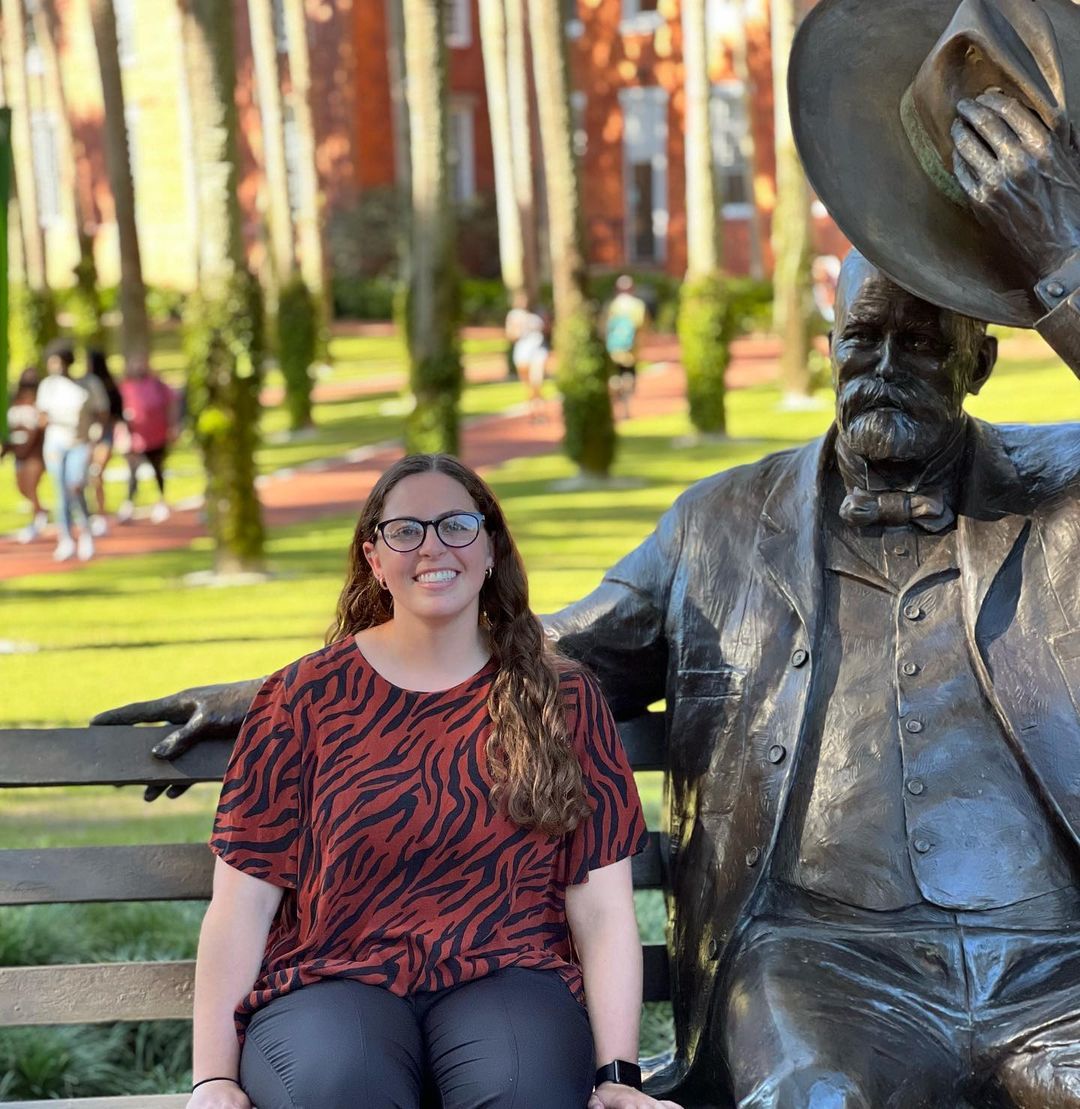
pixel 625 317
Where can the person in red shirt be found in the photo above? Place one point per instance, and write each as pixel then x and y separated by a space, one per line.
pixel 148 413
pixel 424 836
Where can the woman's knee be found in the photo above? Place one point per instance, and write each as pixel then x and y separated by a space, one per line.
pixel 515 1039
pixel 327 1045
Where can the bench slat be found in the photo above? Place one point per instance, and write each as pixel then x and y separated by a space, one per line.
pixel 146 872
pixel 158 872
pixel 137 1101
pixel 90 993
pixel 645 741
pixel 103 756
pixel 656 982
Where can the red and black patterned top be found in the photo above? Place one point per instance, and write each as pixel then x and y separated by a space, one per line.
pixel 369 804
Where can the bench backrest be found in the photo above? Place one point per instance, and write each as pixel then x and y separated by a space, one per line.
pixel 90 993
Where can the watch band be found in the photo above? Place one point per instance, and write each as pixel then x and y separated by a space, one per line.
pixel 620 1071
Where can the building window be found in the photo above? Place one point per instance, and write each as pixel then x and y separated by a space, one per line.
pixel 727 111
pixel 45 149
pixel 459 23
pixel 645 172
pixel 462 153
pixel 281 34
pixel 640 17
pixel 571 19
pixel 578 100
pixel 124 13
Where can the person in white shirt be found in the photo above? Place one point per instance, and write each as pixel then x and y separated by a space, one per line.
pixel 73 412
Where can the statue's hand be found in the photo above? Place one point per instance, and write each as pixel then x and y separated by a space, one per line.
pixel 1021 180
pixel 204 712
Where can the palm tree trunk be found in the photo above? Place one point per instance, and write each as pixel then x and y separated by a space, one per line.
pixel 134 320
pixel 264 52
pixel 224 319
pixel 704 324
pixel 433 300
pixel 517 60
pixel 584 367
pixel 5 186
pixel 741 66
pixel 791 221
pixel 18 92
pixel 395 64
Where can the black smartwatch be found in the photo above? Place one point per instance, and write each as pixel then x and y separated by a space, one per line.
pixel 620 1071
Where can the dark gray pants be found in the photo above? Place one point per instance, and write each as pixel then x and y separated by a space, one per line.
pixel 515 1039
pixel 908 1010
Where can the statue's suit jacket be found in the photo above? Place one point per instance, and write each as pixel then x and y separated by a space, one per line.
pixel 719 612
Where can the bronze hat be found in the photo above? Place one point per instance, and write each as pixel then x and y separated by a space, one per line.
pixel 873 86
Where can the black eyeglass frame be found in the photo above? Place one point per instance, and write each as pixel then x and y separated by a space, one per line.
pixel 380 529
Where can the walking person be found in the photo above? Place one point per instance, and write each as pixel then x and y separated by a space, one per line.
pixel 102 449
pixel 26 436
pixel 149 411
pixel 625 319
pixel 530 333
pixel 73 411
pixel 424 837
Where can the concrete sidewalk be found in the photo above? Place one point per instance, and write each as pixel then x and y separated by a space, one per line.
pixel 334 486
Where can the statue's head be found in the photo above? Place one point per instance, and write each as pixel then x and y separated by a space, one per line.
pixel 901 366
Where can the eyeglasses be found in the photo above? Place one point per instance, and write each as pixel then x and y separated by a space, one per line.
pixel 406 533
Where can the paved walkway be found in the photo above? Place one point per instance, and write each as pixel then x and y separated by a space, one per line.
pixel 335 486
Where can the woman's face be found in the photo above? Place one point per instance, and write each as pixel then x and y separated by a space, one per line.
pixel 434 582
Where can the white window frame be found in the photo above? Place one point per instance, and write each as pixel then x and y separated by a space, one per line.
pixel 459 24
pixel 45 154
pixel 462 152
pixel 658 96
pixel 634 21
pixel 731 92
pixel 124 14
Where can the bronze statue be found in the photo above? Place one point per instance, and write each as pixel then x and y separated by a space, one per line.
pixel 870 646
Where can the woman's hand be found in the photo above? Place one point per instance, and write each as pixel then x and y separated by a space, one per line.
pixel 612 1095
pixel 219 1095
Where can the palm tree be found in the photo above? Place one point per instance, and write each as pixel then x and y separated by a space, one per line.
pixel 134 320
pixel 292 305
pixel 584 367
pixel 5 186
pixel 791 240
pixel 433 296
pixel 704 319
pixel 223 321
pixel 33 310
pixel 517 61
pixel 511 246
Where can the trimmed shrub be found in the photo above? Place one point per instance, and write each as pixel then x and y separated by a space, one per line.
pixel 223 344
pixel 705 329
pixel 584 370
pixel 297 335
pixel 31 325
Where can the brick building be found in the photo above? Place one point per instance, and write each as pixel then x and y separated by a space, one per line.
pixel 628 105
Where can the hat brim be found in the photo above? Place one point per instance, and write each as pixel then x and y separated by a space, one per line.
pixel 851 63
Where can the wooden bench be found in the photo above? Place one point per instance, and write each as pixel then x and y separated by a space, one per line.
pixel 100 992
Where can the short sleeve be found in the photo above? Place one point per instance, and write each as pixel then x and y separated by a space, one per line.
pixel 258 819
pixel 616 827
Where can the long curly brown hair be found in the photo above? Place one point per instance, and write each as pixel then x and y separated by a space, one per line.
pixel 536 775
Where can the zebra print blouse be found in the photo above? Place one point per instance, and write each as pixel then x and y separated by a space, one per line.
pixel 369 805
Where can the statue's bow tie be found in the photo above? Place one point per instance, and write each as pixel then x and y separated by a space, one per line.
pixel 928 510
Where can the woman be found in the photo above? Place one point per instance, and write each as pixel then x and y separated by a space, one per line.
pixel 424 842
pixel 26 433
pixel 101 451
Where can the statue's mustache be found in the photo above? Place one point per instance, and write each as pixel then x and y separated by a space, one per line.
pixel 868 393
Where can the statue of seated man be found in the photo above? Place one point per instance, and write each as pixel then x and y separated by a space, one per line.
pixel 870 653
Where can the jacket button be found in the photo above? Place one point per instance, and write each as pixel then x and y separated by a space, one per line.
pixel 799 657
pixel 914 726
pixel 922 846
pixel 777 753
pixel 912 612
pixel 752 856
pixel 910 668
pixel 915 786
pixel 713 948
